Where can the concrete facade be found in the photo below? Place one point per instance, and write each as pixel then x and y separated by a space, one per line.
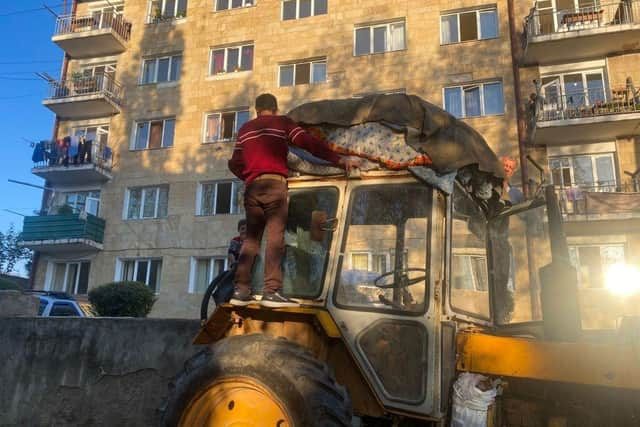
pixel 425 67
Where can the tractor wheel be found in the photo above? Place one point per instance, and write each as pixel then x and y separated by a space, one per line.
pixel 256 380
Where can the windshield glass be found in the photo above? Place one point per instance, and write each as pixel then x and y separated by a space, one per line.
pixel 385 249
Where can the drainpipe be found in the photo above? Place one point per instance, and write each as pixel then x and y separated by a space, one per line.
pixel 46 194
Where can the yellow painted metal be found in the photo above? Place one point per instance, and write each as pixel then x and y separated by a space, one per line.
pixel 235 402
pixel 609 365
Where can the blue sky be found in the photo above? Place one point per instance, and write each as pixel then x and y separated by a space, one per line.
pixel 26 48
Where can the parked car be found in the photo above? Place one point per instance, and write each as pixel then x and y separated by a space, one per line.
pixel 61 304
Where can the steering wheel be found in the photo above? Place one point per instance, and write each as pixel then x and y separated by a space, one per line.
pixel 405 281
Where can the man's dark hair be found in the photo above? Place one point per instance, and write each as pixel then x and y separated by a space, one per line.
pixel 267 102
pixel 241 223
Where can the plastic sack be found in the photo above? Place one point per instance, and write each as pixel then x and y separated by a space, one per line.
pixel 470 403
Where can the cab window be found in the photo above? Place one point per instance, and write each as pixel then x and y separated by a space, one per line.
pixel 385 249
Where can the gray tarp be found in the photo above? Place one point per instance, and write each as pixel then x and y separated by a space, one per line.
pixel 450 143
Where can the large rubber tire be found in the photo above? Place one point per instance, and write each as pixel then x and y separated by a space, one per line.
pixel 303 385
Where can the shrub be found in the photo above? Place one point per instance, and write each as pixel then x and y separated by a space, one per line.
pixel 8 285
pixel 122 299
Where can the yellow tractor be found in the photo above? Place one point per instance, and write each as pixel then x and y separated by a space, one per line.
pixel 405 279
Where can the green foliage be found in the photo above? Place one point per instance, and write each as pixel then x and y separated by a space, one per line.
pixel 122 299
pixel 65 210
pixel 10 252
pixel 8 285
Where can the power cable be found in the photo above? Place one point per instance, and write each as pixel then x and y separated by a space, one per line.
pixel 30 62
pixel 18 12
pixel 17 78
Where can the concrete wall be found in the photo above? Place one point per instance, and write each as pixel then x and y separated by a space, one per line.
pixel 98 372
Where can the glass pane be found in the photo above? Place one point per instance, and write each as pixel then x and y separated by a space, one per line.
pixel 582 170
pixel 305 8
pixel 236 3
pixel 595 88
pixel 163 202
pixel 155 275
pixel 83 280
pixel 379 39
pixel 303 73
pixel 286 75
pixel 63 309
pixel 493 99
pixel 212 128
pixel 149 71
pixel 135 201
pixel 169 7
pixel 489 24
pixel 289 10
pixel 363 41
pixel 58 277
pixel 574 90
pixel 242 117
pixel 468 233
pixel 72 276
pixel 150 199
pixel 155 135
pixel 176 65
pixel 319 72
pixel 142 134
pixel 228 125
pixel 223 198
pixel 320 7
pixel 217 63
pixel 399 228
pixel 208 194
pixel 449 29
pixel 247 58
pixel 222 4
pixel 453 101
pixel 472 101
pixel 359 262
pixel 308 239
pixel 590 268
pixel 468 26
pixel 163 70
pixel 397 37
pixel 182 7
pixel 218 266
pixel 141 274
pixel 202 275
pixel 127 270
pixel 233 58
pixel 605 172
pixel 169 130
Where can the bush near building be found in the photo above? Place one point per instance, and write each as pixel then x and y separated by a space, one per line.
pixel 122 299
pixel 8 285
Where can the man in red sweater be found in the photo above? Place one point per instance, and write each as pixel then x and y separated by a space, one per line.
pixel 260 160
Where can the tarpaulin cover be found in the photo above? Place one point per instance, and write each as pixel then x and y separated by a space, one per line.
pixel 449 143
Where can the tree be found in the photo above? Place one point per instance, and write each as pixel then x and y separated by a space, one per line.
pixel 122 299
pixel 10 252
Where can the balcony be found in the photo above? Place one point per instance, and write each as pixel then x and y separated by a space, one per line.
pixel 92 36
pixel 574 34
pixel 587 116
pixel 63 233
pixel 91 166
pixel 84 97
pixel 599 201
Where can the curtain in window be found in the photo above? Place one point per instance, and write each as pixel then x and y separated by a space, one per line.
pixel 472 101
pixel 213 126
pixel 449 29
pixel 247 58
pixel 169 130
pixel 163 202
pixel 149 71
pixel 398 41
pixel 286 75
pixel 233 58
pixel 453 101
pixel 319 72
pixel 208 194
pixel 493 99
pixel 202 276
pixel 149 204
pixel 155 135
pixel 217 64
pixel 58 277
pixel 135 201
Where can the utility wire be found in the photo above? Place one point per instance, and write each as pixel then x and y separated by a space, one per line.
pixel 30 62
pixel 17 78
pixel 18 12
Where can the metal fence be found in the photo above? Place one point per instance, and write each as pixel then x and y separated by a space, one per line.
pixel 587 103
pixel 86 85
pixel 597 15
pixel 69 24
pixel 599 200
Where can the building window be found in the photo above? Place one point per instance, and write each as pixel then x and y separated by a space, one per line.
pixel 147 271
pixel 380 38
pixel 147 202
pixel 161 69
pixel 479 99
pixel 203 271
pixel 302 73
pixel 593 261
pixel 218 198
pixel 572 90
pixel 154 134
pixel 224 126
pixel 593 172
pixel 72 277
pixel 470 25
pixel 296 9
pixel 230 59
pixel 233 4
pixel 83 201
pixel 163 10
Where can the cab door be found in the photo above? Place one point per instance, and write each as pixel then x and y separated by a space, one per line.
pixel 382 298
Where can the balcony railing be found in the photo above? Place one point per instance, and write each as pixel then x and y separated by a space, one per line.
pixel 599 200
pixel 55 233
pixel 588 103
pixel 541 22
pixel 70 24
pixel 90 153
pixel 100 84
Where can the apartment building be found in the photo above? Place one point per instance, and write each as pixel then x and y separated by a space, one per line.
pixel 161 87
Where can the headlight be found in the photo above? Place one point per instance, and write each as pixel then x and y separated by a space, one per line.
pixel 623 279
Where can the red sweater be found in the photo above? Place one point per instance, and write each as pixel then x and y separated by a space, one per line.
pixel 262 147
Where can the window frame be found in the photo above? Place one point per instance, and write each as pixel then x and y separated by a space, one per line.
pixel 389 40
pixel 163 3
pixel 575 248
pixel 143 197
pixel 89 195
pixel 156 60
pixel 244 4
pixel 295 65
pixel 234 137
pixel 240 47
pixel 136 127
pixel 313 9
pixel 120 270
pixel 480 85
pixel 210 270
pixel 67 264
pixel 234 206
pixel 594 170
pixel 559 82
pixel 478 25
